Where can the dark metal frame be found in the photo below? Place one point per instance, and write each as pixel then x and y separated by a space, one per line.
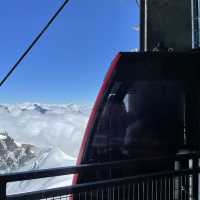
pixel 84 187
pixel 167 23
pixel 195 23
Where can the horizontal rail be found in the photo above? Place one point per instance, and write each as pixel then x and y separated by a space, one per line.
pixel 97 185
pixel 65 192
pixel 45 173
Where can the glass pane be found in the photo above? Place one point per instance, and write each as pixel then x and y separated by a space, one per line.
pixel 145 120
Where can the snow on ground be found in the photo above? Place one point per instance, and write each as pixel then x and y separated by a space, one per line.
pixel 3 137
pixel 57 130
pixel 48 158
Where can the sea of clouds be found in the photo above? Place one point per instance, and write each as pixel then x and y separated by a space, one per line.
pixel 56 130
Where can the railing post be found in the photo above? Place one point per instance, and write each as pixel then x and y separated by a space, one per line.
pixel 195 179
pixel 2 190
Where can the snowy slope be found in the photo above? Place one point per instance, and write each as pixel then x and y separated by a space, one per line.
pixel 14 155
pixel 48 158
pixel 56 130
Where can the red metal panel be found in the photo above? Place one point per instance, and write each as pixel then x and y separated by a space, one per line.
pixel 90 124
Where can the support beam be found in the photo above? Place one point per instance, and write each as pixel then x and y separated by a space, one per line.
pixel 168 22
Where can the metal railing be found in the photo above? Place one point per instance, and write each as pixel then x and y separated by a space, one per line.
pixel 179 184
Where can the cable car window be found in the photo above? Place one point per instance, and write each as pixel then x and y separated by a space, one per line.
pixel 141 120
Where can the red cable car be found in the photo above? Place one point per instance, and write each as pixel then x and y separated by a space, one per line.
pixel 148 106
pixel 149 103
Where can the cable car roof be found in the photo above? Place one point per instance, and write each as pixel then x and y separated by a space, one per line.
pixel 157 66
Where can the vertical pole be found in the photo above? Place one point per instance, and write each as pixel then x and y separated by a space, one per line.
pixel 143 23
pixel 195 179
pixel 2 190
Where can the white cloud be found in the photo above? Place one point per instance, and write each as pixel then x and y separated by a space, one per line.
pixel 46 125
pixel 56 129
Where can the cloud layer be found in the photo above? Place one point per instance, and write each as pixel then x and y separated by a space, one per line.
pixel 45 125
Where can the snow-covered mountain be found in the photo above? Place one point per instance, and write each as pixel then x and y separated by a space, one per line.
pixel 45 125
pixel 13 155
pixel 56 132
pixel 47 158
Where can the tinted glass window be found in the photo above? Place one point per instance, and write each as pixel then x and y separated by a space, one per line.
pixel 141 119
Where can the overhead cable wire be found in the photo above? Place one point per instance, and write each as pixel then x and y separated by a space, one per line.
pixel 13 68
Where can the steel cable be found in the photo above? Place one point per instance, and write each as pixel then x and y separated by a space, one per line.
pixel 33 43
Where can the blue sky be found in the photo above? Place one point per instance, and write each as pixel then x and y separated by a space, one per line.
pixel 70 61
